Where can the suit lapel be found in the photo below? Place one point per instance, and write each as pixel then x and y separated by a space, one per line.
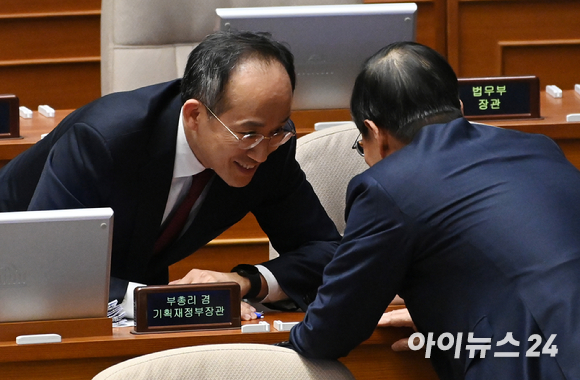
pixel 153 189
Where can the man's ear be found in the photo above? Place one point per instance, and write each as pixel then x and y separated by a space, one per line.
pixel 460 102
pixel 192 112
pixel 388 143
pixel 379 136
pixel 373 129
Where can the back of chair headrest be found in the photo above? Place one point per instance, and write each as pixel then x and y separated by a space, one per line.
pixel 226 361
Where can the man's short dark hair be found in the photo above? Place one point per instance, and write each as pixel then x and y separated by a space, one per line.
pixel 403 85
pixel 211 63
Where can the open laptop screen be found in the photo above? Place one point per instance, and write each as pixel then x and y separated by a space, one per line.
pixel 55 264
pixel 329 42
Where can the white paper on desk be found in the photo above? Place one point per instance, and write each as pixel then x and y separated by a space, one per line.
pixel 127 303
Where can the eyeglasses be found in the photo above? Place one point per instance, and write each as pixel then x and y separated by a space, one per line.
pixel 358 146
pixel 251 140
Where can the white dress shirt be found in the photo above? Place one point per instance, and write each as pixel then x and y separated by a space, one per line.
pixel 185 166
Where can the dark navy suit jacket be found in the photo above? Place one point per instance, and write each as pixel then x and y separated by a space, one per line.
pixel 119 150
pixel 478 229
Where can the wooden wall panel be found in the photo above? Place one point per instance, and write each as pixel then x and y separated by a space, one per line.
pixel 244 242
pixel 554 62
pixel 479 37
pixel 222 255
pixel 60 84
pixel 247 228
pixel 431 22
pixel 495 37
pixel 44 37
pixel 40 6
pixel 50 51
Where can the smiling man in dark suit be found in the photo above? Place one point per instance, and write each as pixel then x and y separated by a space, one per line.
pixel 476 227
pixel 137 152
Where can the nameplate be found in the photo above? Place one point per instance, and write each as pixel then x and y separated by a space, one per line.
pixel 187 307
pixel 9 116
pixel 515 97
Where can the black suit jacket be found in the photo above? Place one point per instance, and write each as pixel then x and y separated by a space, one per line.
pixel 478 229
pixel 119 150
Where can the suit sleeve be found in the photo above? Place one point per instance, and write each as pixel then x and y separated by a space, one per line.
pixel 362 278
pixel 76 173
pixel 298 228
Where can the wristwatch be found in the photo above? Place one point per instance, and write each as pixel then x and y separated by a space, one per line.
pixel 251 273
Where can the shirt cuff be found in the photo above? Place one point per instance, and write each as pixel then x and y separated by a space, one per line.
pixel 275 293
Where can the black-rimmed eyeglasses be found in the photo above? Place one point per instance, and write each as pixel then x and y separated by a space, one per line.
pixel 251 140
pixel 358 146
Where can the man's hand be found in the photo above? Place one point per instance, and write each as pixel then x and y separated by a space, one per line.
pixel 398 318
pixel 248 312
pixel 196 276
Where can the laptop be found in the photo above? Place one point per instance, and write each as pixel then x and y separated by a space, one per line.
pixel 55 264
pixel 330 42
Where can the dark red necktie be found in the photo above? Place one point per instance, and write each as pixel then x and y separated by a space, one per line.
pixel 179 218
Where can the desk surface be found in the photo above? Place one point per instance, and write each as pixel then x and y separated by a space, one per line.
pixel 553 117
pixel 30 132
pixel 553 123
pixel 82 358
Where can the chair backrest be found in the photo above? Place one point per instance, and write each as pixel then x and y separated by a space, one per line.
pixel 239 361
pixel 148 41
pixel 329 164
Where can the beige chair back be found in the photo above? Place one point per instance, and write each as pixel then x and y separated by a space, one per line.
pixel 239 361
pixel 148 41
pixel 329 163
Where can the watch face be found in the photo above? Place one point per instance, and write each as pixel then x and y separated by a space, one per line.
pixel 253 274
pixel 245 269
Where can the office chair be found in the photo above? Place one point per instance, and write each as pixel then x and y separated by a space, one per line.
pixel 145 42
pixel 329 163
pixel 241 361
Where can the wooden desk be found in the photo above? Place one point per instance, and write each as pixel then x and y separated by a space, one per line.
pixel 553 124
pixel 30 132
pixel 82 358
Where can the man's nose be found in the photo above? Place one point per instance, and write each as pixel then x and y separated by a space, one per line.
pixel 260 152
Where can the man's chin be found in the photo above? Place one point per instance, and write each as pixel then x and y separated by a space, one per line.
pixel 237 181
pixel 240 176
